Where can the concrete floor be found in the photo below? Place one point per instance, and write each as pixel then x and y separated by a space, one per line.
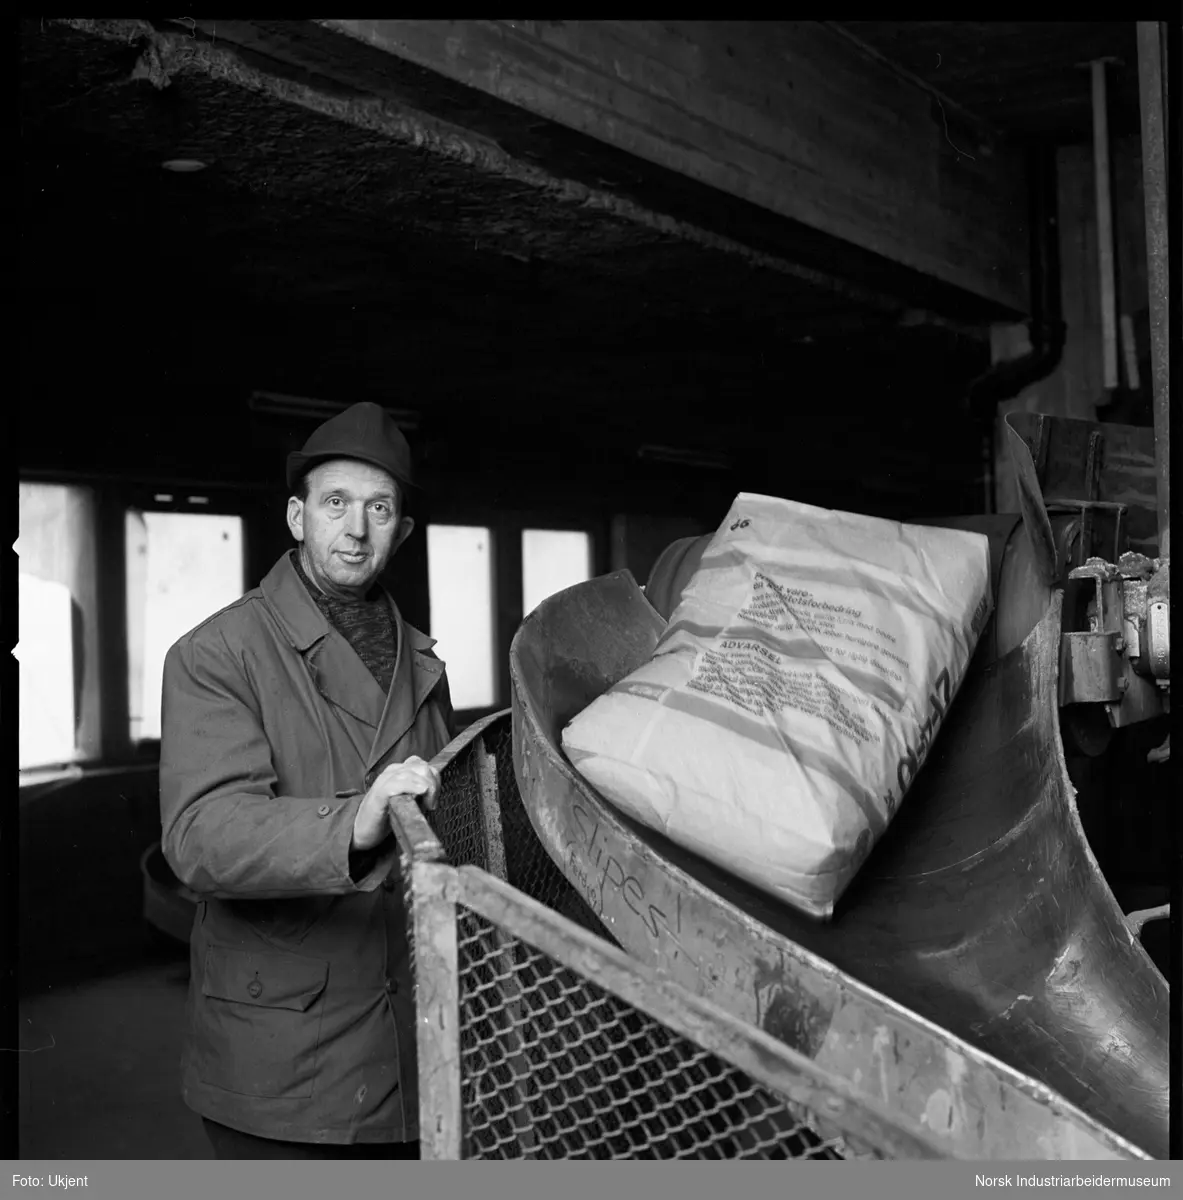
pixel 100 1072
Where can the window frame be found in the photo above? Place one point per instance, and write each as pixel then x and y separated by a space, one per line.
pixel 149 748
pixel 506 525
pixel 255 503
pixel 465 716
pixel 550 527
pixel 114 496
pixel 89 715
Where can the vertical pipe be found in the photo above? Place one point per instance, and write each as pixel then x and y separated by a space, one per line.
pixel 1154 188
pixel 1104 225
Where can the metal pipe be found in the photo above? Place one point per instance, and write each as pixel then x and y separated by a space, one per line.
pixel 1154 189
pixel 1104 224
pixel 1007 378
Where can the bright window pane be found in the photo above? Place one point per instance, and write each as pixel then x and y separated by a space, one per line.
pixel 460 590
pixel 181 568
pixel 47 673
pixel 57 626
pixel 552 559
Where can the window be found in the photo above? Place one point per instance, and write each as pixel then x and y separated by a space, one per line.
pixel 460 592
pixel 57 626
pixel 552 559
pixel 181 568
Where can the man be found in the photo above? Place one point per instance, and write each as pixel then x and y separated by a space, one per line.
pixel 289 720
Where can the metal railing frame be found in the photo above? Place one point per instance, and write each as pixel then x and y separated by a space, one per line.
pixel 437 891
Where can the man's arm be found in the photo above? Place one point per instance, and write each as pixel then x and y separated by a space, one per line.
pixel 225 831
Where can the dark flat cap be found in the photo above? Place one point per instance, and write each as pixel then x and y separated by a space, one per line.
pixel 365 432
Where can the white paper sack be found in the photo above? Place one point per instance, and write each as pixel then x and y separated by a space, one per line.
pixel 794 695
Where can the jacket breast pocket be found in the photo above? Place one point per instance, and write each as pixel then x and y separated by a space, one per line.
pixel 257 1031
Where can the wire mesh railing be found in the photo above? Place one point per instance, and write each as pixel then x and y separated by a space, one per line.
pixel 554 1066
pixel 540 1038
pixel 480 821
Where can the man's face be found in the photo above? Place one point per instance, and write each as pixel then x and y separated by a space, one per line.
pixel 349 526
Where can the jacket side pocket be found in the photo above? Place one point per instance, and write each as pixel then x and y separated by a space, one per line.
pixel 257 1031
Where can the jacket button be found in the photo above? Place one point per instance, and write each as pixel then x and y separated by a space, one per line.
pixel 388 885
pixel 255 988
pixel 323 811
pixel 391 986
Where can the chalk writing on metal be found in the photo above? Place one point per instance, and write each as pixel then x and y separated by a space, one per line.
pixel 598 873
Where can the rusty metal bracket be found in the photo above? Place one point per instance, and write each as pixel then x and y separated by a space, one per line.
pixel 1122 658
pixel 1092 670
pixel 1106 604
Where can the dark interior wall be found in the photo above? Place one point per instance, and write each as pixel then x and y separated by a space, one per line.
pixel 79 882
pixel 140 385
pixel 638 539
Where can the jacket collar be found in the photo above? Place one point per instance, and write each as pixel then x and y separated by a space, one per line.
pixel 302 621
pixel 340 676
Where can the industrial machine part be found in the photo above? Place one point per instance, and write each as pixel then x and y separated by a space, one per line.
pixel 1115 651
pixel 1116 642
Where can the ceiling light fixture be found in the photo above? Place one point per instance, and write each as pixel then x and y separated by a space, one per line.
pixel 686 458
pixel 183 166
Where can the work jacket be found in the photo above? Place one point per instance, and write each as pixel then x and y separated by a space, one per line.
pixel 300 1016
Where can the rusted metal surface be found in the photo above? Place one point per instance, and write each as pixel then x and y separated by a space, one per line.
pixel 1145 612
pixel 1091 669
pixel 978 974
pixel 1123 474
pixel 824 1099
pixel 1115 644
pixel 510 1043
pixel 438 1041
pixel 1158 639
